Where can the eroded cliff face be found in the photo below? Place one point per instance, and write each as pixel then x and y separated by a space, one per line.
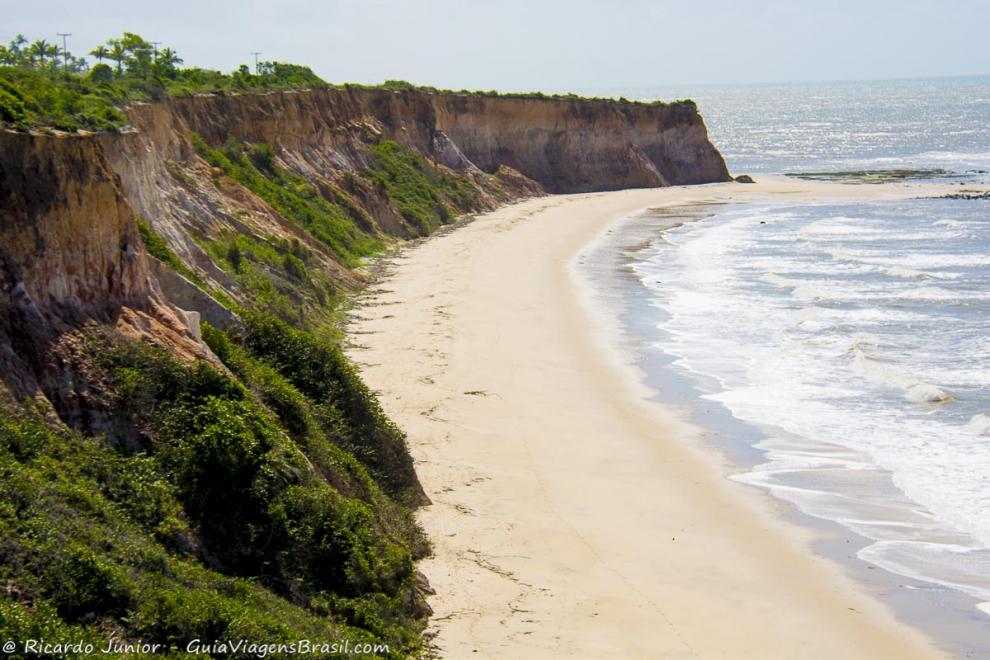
pixel 506 147
pixel 71 252
pixel 570 145
pixel 564 145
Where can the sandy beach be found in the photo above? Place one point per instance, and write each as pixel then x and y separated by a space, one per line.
pixel 571 516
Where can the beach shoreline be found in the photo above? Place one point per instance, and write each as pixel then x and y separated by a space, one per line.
pixel 572 514
pixel 609 267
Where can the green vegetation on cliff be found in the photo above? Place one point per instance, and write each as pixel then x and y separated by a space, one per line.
pixel 417 188
pixel 217 505
pixel 95 541
pixel 280 276
pixel 43 87
pixel 293 197
pixel 158 248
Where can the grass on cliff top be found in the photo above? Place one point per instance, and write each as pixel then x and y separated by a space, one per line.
pixel 69 101
pixel 402 85
pixel 218 505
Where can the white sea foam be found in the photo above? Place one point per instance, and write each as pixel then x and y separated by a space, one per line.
pixel 941 294
pixel 887 375
pixel 979 424
pixel 852 362
pixel 962 567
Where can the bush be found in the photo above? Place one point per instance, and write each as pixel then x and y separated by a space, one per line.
pixel 266 494
pixel 411 184
pixel 85 582
pixel 11 107
pixel 345 408
pixel 77 561
pixel 329 541
pixel 35 98
pixel 101 74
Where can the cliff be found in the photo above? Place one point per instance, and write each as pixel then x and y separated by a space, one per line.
pixel 565 145
pixel 503 147
pixel 70 254
pixel 507 147
pixel 261 465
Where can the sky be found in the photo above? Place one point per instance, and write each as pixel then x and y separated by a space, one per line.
pixel 549 45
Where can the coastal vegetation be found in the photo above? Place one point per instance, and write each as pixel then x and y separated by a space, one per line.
pixel 43 86
pixel 403 85
pixel 419 190
pixel 220 505
pixel 294 198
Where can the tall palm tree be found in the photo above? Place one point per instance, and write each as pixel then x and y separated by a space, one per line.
pixel 16 45
pixel 41 49
pixel 53 53
pixel 168 58
pixel 100 53
pixel 118 54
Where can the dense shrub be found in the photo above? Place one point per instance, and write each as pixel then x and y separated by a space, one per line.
pixel 344 406
pixel 30 98
pixel 78 559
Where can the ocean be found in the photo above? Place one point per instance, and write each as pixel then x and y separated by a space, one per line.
pixel 850 340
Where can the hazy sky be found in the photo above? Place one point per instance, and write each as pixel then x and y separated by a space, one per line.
pixel 544 44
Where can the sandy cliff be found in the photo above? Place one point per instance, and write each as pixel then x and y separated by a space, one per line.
pixel 565 145
pixel 71 251
pixel 509 147
pixel 70 254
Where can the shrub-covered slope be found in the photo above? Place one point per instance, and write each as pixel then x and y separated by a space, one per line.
pixel 247 488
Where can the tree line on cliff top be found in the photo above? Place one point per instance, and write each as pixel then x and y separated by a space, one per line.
pixel 43 86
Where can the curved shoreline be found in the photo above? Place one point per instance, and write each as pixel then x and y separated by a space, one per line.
pixel 572 516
